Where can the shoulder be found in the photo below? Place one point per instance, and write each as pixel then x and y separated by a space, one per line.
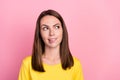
pixel 77 69
pixel 77 62
pixel 27 61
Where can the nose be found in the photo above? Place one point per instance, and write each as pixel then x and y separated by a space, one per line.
pixel 52 32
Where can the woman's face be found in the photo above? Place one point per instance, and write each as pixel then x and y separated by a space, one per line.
pixel 51 31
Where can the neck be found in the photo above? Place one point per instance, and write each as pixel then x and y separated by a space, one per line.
pixel 52 53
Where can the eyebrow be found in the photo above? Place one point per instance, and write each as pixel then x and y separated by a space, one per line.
pixel 56 24
pixel 53 25
pixel 43 25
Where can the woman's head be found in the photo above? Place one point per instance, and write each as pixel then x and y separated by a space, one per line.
pixel 51 31
pixel 51 14
pixel 50 19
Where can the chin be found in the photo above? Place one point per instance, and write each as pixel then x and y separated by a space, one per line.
pixel 52 46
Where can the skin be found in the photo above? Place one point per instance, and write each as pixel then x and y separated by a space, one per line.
pixel 51 32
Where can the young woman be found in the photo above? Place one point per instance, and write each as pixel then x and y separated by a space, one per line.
pixel 51 58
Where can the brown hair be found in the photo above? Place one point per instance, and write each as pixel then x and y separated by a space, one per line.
pixel 39 46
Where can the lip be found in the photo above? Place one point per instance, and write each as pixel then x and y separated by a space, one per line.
pixel 52 40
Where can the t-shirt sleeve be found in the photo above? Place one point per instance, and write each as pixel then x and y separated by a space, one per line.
pixel 78 71
pixel 24 72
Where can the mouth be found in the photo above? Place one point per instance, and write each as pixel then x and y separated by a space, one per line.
pixel 52 40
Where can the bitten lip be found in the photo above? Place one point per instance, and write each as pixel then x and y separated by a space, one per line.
pixel 52 40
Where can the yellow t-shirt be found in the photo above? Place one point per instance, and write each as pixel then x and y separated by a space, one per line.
pixel 53 72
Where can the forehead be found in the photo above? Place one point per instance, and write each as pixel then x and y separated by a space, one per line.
pixel 49 20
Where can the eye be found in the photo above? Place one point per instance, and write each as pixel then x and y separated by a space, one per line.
pixel 45 28
pixel 57 27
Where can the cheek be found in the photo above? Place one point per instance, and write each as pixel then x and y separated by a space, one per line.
pixel 43 35
pixel 60 34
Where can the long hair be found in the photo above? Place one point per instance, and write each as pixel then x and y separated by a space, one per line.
pixel 39 46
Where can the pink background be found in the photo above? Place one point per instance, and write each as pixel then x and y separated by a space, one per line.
pixel 94 34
